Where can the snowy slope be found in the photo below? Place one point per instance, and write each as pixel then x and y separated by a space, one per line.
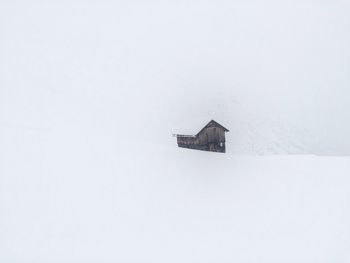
pixel 76 198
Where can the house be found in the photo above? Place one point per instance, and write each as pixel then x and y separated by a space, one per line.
pixel 210 138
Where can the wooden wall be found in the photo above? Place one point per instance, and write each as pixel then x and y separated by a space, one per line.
pixel 211 138
pixel 211 135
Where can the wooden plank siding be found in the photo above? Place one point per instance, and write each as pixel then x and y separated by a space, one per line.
pixel 210 138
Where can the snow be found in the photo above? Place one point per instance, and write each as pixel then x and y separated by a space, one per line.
pixel 91 93
pixel 77 198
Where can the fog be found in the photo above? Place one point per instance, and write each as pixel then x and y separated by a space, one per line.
pixel 276 73
pixel 92 91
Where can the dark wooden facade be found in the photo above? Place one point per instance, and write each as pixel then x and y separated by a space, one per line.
pixel 210 138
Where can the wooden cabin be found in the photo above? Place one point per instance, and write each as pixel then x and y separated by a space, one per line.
pixel 210 138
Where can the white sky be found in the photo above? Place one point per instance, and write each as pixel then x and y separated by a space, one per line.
pixel 153 67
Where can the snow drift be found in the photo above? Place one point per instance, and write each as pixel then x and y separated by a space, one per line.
pixel 77 198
